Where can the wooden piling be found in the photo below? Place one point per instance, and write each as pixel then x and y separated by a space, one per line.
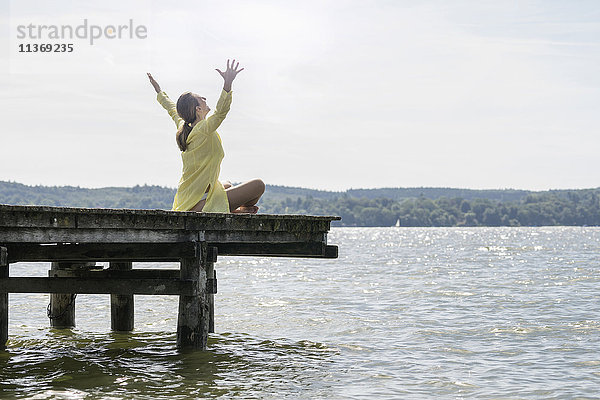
pixel 210 293
pixel 121 306
pixel 192 321
pixel 210 296
pixel 3 300
pixel 61 309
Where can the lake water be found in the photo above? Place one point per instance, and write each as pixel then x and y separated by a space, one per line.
pixel 403 313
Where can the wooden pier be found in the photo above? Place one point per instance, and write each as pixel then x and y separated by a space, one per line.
pixel 75 239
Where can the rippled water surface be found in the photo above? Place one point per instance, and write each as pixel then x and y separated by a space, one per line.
pixel 403 313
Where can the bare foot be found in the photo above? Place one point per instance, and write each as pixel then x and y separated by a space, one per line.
pixel 246 210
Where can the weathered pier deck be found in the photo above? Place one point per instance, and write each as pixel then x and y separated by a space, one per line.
pixel 75 239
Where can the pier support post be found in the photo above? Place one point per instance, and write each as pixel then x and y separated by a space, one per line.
pixel 210 298
pixel 61 310
pixel 3 300
pixel 212 288
pixel 121 306
pixel 192 321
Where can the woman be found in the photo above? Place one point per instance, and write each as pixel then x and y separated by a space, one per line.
pixel 201 151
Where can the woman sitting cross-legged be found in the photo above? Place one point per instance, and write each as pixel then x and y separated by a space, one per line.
pixel 201 152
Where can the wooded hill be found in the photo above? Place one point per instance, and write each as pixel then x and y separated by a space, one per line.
pixel 357 207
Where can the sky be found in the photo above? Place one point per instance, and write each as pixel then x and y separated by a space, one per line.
pixel 334 94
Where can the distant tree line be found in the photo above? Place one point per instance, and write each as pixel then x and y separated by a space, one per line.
pixel 519 208
pixel 137 197
pixel 574 208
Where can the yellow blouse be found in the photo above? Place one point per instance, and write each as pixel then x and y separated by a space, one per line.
pixel 202 159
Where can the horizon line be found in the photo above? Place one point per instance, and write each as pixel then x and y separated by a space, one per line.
pixel 319 190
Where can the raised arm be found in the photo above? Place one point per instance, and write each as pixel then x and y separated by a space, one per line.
pixel 224 103
pixel 165 101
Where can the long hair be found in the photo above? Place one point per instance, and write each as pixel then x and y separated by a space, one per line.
pixel 186 108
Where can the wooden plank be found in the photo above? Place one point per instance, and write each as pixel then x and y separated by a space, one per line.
pixel 75 210
pixel 3 300
pixel 121 306
pixel 160 251
pixel 192 320
pixel 5 208
pixel 208 221
pixel 136 273
pixel 33 218
pixel 130 220
pixel 98 286
pixel 29 212
pixel 257 222
pixel 293 249
pixel 259 237
pixel 43 216
pixel 32 252
pixel 47 235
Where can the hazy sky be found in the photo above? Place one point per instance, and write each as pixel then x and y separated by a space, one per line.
pixel 334 95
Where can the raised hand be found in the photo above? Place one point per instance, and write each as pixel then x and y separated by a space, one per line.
pixel 229 74
pixel 154 83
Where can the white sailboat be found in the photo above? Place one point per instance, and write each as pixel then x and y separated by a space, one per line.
pixel 397 223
